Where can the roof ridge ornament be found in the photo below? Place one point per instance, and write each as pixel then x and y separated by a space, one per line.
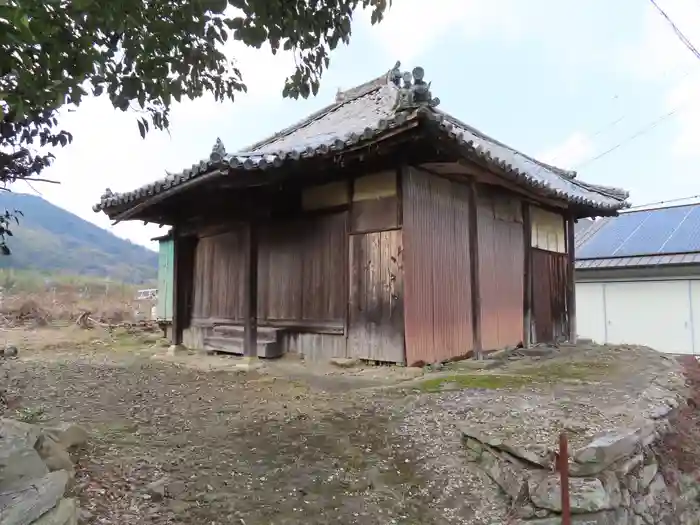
pixel 218 152
pixel 414 92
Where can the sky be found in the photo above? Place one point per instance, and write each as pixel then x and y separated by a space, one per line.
pixel 607 91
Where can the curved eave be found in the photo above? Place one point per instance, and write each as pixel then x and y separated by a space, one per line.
pixel 605 199
pixel 117 205
pixel 607 202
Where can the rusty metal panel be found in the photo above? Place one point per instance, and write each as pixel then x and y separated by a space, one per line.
pixel 549 277
pixel 218 276
pixel 375 320
pixel 437 304
pixel 501 269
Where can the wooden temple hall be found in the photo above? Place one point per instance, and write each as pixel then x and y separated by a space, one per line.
pixel 379 228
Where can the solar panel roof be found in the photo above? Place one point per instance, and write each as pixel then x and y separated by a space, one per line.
pixel 660 231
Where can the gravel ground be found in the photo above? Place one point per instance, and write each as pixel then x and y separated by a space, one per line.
pixel 242 448
pixel 277 446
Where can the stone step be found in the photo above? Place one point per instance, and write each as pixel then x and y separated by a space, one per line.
pixel 234 345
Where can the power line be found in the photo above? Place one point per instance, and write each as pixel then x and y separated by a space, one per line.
pixel 676 30
pixel 669 201
pixel 646 129
pixel 662 118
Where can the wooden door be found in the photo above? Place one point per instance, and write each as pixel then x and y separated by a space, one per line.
pixel 375 317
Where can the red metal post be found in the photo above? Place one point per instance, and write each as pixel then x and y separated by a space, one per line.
pixel 564 473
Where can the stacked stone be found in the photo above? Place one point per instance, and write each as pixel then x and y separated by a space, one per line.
pixel 36 468
pixel 615 478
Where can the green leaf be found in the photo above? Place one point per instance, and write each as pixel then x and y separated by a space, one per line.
pixel 150 51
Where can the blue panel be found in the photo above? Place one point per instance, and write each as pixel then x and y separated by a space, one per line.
pixel 687 237
pixel 653 234
pixel 610 236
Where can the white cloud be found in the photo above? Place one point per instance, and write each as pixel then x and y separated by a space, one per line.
pixel 412 26
pixel 108 151
pixel 575 149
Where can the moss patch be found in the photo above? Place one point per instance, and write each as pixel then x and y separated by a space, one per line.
pixel 485 381
pixel 553 372
pixel 546 373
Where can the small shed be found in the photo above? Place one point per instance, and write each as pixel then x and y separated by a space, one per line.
pixel 378 228
pixel 638 279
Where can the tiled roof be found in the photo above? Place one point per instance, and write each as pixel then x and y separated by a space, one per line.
pixel 364 114
pixel 662 236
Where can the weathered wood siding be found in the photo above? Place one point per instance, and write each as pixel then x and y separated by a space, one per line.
pixel 314 347
pixel 218 276
pixel 375 318
pixel 302 264
pixel 501 268
pixel 438 312
pixel 280 267
pixel 549 278
pixel 550 275
pixel 375 203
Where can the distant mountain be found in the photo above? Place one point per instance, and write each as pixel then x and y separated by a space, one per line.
pixel 51 239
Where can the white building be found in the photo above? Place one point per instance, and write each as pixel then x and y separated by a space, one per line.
pixel 638 279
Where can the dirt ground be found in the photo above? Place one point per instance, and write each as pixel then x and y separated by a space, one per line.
pixel 290 443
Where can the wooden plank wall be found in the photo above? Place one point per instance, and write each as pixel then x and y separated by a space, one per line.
pixel 301 270
pixel 438 312
pixel 501 268
pixel 218 276
pixel 280 263
pixel 375 317
pixel 549 278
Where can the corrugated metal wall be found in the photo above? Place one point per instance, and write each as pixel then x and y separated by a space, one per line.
pixel 438 313
pixel 549 278
pixel 501 268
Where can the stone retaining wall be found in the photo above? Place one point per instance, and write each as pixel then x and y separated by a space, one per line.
pixel 615 475
pixel 36 468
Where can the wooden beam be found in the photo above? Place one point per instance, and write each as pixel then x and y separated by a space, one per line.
pixel 570 278
pixel 250 292
pixel 474 270
pixel 527 276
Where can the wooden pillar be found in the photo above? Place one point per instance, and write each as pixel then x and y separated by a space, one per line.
pixel 250 292
pixel 177 324
pixel 571 277
pixel 527 276
pixel 474 270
